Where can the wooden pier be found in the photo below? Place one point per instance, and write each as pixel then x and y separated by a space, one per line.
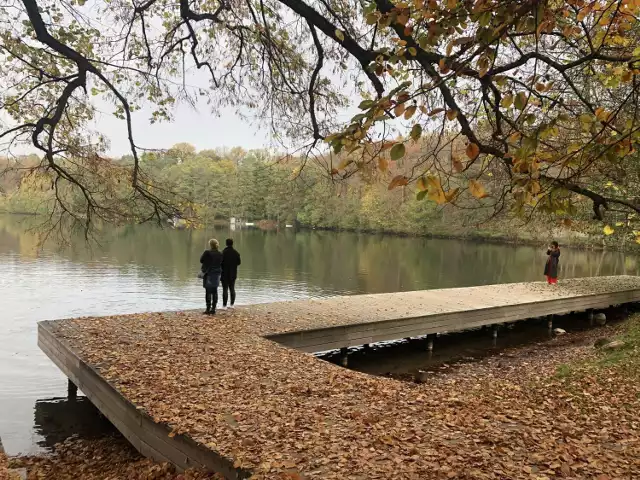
pixel 233 392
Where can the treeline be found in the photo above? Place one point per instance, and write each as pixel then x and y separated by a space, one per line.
pixel 215 185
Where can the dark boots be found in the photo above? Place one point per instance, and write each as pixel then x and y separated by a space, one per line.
pixel 211 297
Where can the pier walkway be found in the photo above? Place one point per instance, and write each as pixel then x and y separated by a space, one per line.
pixel 236 393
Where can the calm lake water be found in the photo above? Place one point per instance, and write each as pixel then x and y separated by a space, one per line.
pixel 140 269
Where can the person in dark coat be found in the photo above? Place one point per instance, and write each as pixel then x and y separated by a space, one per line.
pixel 211 261
pixel 230 263
pixel 551 267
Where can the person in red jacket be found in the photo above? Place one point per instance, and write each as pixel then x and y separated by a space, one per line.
pixel 551 267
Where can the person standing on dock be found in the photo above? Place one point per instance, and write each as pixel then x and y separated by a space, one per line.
pixel 211 261
pixel 230 263
pixel 551 267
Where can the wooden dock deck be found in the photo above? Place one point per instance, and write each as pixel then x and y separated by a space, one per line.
pixel 237 394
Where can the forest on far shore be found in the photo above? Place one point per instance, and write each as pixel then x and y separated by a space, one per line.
pixel 255 185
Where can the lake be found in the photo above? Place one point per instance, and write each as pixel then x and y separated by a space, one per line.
pixel 146 268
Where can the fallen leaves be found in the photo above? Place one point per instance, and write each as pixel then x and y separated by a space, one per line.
pixel 107 458
pixel 284 414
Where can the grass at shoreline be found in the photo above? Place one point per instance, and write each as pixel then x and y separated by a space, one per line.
pixel 625 357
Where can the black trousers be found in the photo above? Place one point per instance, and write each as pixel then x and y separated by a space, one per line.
pixel 228 287
pixel 211 298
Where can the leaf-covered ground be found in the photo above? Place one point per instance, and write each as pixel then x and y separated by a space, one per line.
pixel 285 414
pixel 103 459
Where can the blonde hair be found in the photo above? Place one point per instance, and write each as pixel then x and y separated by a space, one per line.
pixel 214 244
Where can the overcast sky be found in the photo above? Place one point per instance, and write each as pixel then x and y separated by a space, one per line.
pixel 199 127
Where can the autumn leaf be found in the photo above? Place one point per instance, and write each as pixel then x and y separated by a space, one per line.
pixel 451 194
pixel 444 68
pixel 399 110
pixel 366 104
pixel 521 101
pixel 383 164
pixel 416 132
pixel 339 34
pixel 457 164
pixel 476 189
pixel 422 184
pixel 397 151
pixel 344 163
pixel 398 181
pixel 506 101
pixel 534 187
pixel 582 14
pixel 450 48
pixel 608 230
pixel 573 148
pixel 472 151
pixel 585 119
pixel 436 192
pixel 408 113
pixel 452 114
pixel 514 137
pixel 436 111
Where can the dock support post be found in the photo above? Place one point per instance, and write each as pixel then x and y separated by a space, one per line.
pixel 550 324
pixel 344 357
pixel 430 346
pixel 591 317
pixel 495 335
pixel 367 347
pixel 72 390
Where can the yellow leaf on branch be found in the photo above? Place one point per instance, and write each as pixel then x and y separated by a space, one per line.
pixel 476 189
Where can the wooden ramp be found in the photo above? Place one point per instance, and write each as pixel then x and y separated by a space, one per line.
pixel 362 319
pixel 219 393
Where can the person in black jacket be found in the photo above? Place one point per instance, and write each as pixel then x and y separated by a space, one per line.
pixel 211 261
pixel 230 262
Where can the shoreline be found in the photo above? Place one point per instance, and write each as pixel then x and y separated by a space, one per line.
pixel 480 238
pixel 476 238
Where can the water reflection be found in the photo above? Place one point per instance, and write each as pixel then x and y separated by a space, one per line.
pixel 57 419
pixel 146 268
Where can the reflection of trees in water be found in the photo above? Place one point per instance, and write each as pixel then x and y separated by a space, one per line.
pixel 15 235
pixel 57 419
pixel 334 261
